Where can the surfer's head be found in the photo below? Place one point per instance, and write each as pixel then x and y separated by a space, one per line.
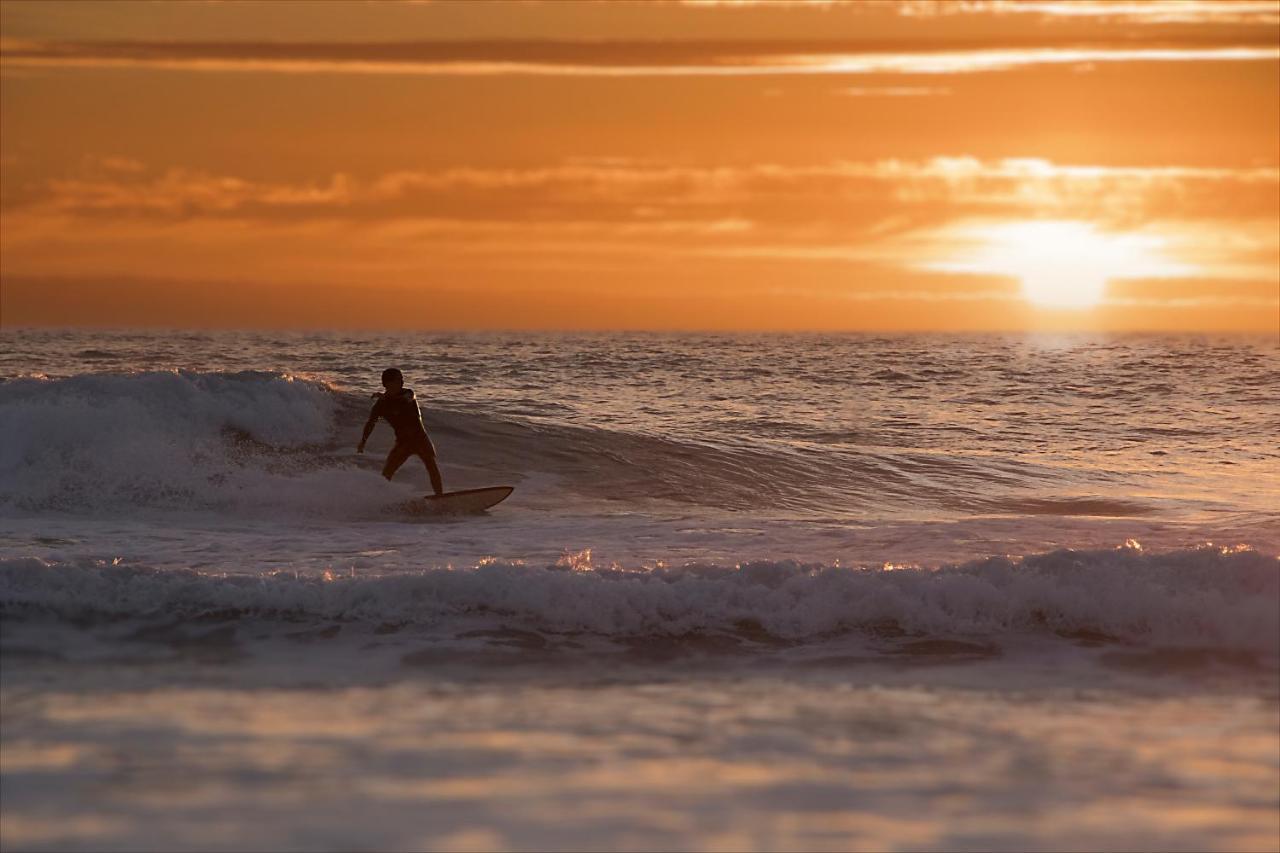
pixel 392 379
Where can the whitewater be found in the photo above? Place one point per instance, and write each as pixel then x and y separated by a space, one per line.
pixel 750 592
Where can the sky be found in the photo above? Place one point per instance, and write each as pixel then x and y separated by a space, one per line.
pixel 731 165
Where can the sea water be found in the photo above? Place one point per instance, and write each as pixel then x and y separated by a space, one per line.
pixel 751 592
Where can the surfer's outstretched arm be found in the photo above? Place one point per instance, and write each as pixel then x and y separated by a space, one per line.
pixel 368 427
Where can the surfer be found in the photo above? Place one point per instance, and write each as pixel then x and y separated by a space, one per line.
pixel 400 409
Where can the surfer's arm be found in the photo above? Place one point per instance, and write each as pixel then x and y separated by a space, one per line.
pixel 374 413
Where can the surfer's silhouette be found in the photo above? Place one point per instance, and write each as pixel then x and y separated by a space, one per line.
pixel 398 406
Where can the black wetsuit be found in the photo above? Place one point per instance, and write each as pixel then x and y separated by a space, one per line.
pixel 400 409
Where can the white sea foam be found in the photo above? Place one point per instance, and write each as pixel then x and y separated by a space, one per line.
pixel 1200 597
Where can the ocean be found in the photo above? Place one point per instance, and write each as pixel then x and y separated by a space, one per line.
pixel 751 592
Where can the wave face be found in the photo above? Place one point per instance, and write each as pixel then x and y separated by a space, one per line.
pixel 1203 598
pixel 187 440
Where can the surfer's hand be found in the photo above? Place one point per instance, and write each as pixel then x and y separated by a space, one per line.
pixel 360 447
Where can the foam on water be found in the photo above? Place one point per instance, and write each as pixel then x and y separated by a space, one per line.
pixel 1203 597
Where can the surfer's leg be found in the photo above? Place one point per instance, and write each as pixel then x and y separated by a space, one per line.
pixel 395 459
pixel 427 453
pixel 433 471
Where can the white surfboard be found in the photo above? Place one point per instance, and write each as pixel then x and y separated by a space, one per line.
pixel 458 503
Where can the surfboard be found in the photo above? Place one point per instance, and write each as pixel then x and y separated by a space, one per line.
pixel 461 502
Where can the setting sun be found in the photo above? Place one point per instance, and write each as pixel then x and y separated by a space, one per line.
pixel 1063 264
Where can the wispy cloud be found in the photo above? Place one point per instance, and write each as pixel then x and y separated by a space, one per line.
pixel 841 192
pixel 889 214
pixel 1137 11
pixel 624 59
pixel 1140 11
pixel 893 91
pixel 1193 302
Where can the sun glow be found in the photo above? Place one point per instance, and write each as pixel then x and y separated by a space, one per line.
pixel 1065 264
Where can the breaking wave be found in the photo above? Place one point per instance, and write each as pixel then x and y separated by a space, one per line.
pixel 110 443
pixel 169 439
pixel 1203 597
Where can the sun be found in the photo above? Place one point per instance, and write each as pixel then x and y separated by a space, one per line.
pixel 1066 287
pixel 1062 264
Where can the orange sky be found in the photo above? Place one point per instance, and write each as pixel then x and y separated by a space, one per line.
pixel 718 165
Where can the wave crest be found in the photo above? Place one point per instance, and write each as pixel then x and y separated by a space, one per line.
pixel 1202 597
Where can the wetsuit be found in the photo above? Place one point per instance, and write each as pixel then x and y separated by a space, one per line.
pixel 400 409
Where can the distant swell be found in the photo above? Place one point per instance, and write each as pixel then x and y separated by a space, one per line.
pixel 1198 597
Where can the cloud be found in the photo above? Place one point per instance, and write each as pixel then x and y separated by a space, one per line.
pixel 1136 11
pixel 631 58
pixel 893 91
pixel 864 195
pixel 112 163
pixel 1193 302
pixel 880 215
pixel 1132 11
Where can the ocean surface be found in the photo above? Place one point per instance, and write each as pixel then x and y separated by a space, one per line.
pixel 751 592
